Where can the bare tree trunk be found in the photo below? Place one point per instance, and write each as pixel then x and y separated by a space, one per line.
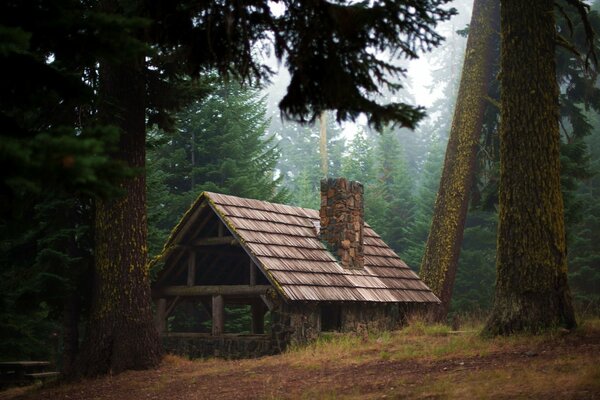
pixel 532 293
pixel 323 144
pixel 70 323
pixel 440 260
pixel 121 334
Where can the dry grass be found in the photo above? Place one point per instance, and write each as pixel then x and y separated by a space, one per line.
pixel 420 361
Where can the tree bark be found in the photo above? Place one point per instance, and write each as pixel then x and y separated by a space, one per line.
pixel 440 260
pixel 532 293
pixel 70 323
pixel 121 334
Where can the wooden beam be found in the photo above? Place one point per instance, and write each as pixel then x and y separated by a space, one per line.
pixel 171 306
pixel 172 261
pixel 258 316
pixel 180 268
pixel 160 319
pixel 252 273
pixel 199 225
pixel 215 241
pixel 191 223
pixel 191 273
pixel 270 305
pixel 218 315
pixel 213 290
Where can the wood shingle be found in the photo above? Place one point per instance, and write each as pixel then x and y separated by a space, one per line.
pixel 284 242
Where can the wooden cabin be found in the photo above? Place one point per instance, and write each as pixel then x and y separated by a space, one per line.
pixel 309 271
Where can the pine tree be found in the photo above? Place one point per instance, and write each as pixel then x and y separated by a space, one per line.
pixel 136 86
pixel 425 201
pixel 392 204
pixel 300 162
pixel 220 144
pixel 584 254
pixel 532 292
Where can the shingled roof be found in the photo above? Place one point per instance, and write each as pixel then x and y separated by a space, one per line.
pixel 284 242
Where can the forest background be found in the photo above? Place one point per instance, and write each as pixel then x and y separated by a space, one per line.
pixel 234 142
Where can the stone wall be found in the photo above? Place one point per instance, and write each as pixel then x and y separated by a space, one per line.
pixel 356 317
pixel 231 347
pixel 342 220
pixel 296 324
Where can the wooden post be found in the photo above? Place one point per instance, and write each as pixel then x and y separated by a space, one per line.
pixel 213 290
pixel 218 315
pixel 191 275
pixel 221 229
pixel 252 273
pixel 160 319
pixel 258 317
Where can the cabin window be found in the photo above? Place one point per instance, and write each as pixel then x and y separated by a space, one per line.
pixel 331 317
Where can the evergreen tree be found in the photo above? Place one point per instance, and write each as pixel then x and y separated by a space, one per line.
pixel 392 204
pixel 475 274
pixel 425 199
pixel 220 145
pixel 532 292
pixel 584 253
pixel 135 87
pixel 55 155
pixel 300 161
pixel 359 162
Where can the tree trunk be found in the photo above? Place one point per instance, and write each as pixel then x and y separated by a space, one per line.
pixel 70 324
pixel 121 334
pixel 438 268
pixel 532 293
pixel 323 144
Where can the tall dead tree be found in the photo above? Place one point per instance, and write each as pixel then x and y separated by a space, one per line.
pixel 323 143
pixel 438 268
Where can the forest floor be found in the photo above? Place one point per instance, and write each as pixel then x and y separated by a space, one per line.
pixel 418 362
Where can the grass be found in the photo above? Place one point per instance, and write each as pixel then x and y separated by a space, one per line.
pixel 419 361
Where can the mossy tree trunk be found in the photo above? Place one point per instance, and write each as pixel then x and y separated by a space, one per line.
pixel 532 293
pixel 121 334
pixel 438 268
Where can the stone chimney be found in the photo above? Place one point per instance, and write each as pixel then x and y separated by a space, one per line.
pixel 342 220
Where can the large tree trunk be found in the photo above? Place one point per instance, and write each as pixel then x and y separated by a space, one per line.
pixel 438 268
pixel 70 323
pixel 531 288
pixel 121 333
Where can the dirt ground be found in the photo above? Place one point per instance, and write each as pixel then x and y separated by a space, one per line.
pixel 558 367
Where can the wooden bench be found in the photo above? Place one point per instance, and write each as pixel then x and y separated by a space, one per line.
pixel 22 372
pixel 43 375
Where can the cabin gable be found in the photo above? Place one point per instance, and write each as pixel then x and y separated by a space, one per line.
pixel 267 259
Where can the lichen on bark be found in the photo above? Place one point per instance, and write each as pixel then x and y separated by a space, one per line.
pixel 532 292
pixel 121 334
pixel 438 268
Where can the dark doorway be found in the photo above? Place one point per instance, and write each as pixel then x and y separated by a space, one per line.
pixel 330 317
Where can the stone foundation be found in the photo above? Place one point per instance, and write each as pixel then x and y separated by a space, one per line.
pixel 356 317
pixel 230 347
pixel 294 324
